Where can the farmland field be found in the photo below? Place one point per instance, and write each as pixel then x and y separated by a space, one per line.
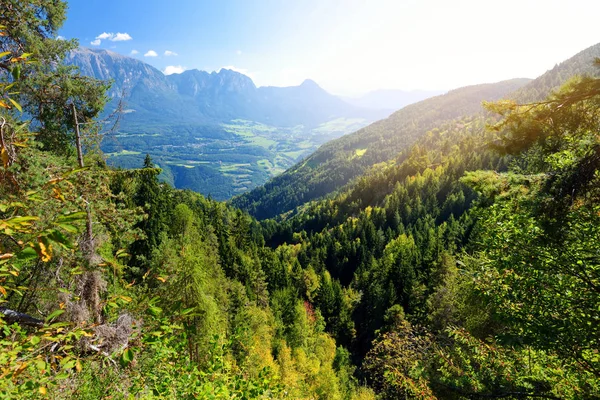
pixel 222 160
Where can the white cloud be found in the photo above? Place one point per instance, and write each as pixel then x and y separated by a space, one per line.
pixel 170 53
pixel 134 52
pixel 104 35
pixel 173 69
pixel 151 53
pixel 60 38
pixel 120 37
pixel 239 52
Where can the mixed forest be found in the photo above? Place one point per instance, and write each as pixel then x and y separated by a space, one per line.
pixel 448 252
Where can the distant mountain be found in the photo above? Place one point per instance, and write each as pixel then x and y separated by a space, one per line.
pixel 390 99
pixel 215 133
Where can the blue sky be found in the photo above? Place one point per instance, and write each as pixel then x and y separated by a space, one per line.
pixel 348 46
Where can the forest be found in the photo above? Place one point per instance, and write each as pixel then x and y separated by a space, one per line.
pixel 453 257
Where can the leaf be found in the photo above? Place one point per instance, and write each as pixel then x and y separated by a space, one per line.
pixel 4 53
pixel 122 253
pixel 45 249
pixel 21 220
pixel 4 157
pixel 4 105
pixel 75 216
pixel 127 357
pixel 67 227
pixel 60 238
pixel 17 105
pixel 26 253
pixel 188 310
pixel 16 72
pixel 43 390
pixel 54 314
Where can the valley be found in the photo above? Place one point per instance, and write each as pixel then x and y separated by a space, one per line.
pixel 222 160
pixel 229 240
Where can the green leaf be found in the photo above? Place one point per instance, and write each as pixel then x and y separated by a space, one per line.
pixel 4 53
pixel 67 227
pixel 16 72
pixel 127 357
pixel 27 253
pixel 54 314
pixel 75 216
pixel 60 238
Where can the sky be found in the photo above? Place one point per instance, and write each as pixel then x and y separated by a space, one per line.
pixel 349 47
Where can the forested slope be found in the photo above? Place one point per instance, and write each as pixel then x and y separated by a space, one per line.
pixel 442 282
pixel 341 160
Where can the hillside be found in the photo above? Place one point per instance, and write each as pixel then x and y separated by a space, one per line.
pixel 215 133
pixel 339 161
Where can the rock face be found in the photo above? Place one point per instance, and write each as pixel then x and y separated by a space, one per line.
pixel 201 97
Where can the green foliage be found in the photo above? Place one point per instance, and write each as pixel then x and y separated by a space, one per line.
pixel 454 271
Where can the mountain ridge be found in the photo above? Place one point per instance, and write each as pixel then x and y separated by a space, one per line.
pixel 140 83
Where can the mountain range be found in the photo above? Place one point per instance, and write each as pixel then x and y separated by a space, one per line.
pixel 200 96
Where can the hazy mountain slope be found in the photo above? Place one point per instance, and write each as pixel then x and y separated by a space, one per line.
pixel 391 99
pixel 339 161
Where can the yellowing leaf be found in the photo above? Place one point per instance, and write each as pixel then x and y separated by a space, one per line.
pixel 42 390
pixel 4 156
pixel 17 105
pixel 45 251
pixel 3 291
